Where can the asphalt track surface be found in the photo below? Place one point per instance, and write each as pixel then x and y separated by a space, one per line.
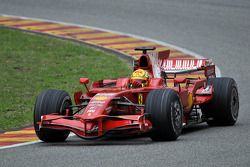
pixel 217 29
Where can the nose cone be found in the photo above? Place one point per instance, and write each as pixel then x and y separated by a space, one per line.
pixel 97 105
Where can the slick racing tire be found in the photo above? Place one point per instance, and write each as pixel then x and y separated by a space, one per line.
pixel 48 102
pixel 165 113
pixel 223 109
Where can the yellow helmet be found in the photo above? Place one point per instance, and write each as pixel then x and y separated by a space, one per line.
pixel 139 78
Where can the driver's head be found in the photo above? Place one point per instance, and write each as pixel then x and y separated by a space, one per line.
pixel 139 78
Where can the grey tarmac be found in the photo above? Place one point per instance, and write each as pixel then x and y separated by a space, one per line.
pixel 217 29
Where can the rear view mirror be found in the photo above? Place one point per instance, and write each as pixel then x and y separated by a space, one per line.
pixel 84 80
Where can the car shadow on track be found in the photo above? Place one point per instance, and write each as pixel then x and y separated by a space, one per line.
pixel 195 128
pixel 75 141
pixel 123 140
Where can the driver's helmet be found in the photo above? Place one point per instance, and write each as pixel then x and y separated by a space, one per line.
pixel 139 78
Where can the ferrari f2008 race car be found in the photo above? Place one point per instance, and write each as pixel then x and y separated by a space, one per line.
pixel 160 98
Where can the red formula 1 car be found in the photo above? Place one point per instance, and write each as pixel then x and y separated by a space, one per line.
pixel 161 97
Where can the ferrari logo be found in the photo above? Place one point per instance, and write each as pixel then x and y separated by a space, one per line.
pixel 140 98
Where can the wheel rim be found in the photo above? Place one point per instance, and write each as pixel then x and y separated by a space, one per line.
pixel 177 115
pixel 234 104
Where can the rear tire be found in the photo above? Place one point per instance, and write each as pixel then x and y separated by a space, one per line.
pixel 165 112
pixel 224 107
pixel 48 102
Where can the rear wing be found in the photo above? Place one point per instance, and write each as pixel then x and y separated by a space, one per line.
pixel 182 66
pixel 159 63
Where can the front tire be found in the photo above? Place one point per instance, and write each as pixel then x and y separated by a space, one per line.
pixel 48 102
pixel 165 111
pixel 224 107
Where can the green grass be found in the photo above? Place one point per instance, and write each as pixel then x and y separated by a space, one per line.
pixel 32 63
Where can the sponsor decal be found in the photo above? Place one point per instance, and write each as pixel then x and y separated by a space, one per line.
pixel 101 98
pixel 106 94
pixel 97 102
pixel 89 111
pixel 95 105
pixel 182 64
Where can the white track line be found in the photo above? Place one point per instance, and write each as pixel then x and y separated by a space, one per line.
pixel 27 143
pixel 20 144
pixel 218 72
